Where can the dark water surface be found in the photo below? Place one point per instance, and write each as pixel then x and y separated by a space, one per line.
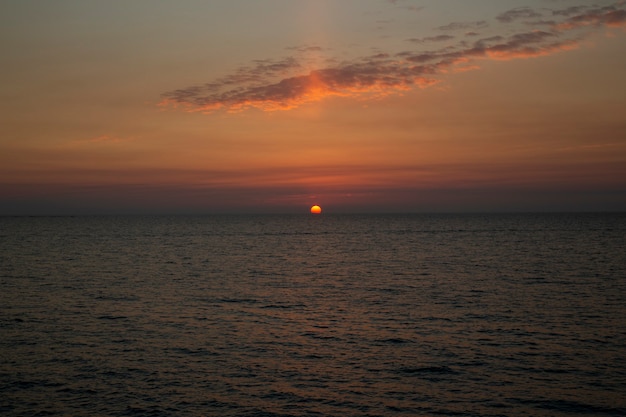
pixel 334 315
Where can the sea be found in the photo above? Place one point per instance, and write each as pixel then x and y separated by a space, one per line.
pixel 314 315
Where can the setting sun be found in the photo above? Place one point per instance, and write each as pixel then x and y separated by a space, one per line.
pixel 316 209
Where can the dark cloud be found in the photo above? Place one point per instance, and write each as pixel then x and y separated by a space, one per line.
pixel 570 11
pixel 521 45
pixel 464 25
pixel 518 13
pixel 536 23
pixel 259 73
pixel 606 16
pixel 382 55
pixel 439 38
pixel 486 41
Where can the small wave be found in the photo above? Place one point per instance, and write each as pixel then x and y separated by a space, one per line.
pixel 239 300
pixel 111 317
pixel 428 370
pixel 283 306
pixel 193 352
pixel 320 336
pixel 394 341
pixel 568 406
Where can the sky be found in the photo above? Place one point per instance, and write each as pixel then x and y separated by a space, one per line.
pixel 271 106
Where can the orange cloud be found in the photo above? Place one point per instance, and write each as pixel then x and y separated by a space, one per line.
pixel 370 78
pixel 271 85
pixel 530 52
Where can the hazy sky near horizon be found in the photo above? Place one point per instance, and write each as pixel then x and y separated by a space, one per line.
pixel 274 105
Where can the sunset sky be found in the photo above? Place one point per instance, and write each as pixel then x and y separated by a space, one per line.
pixel 194 106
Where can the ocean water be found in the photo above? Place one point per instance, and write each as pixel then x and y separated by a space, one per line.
pixel 301 315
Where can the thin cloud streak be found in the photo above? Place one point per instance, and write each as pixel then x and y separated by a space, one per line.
pixel 610 16
pixel 359 186
pixel 481 24
pixel 516 14
pixel 271 85
pixel 438 38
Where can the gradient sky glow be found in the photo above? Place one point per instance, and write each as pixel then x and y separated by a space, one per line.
pixel 275 105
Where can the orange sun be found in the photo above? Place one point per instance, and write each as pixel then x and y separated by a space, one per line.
pixel 316 209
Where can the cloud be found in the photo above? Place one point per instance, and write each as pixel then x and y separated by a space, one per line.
pixel 518 13
pixel 282 84
pixel 569 11
pixel 464 25
pixel 375 77
pixel 522 45
pixel 610 16
pixel 438 38
pixel 259 73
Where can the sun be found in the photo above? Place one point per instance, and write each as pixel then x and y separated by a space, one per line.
pixel 316 209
